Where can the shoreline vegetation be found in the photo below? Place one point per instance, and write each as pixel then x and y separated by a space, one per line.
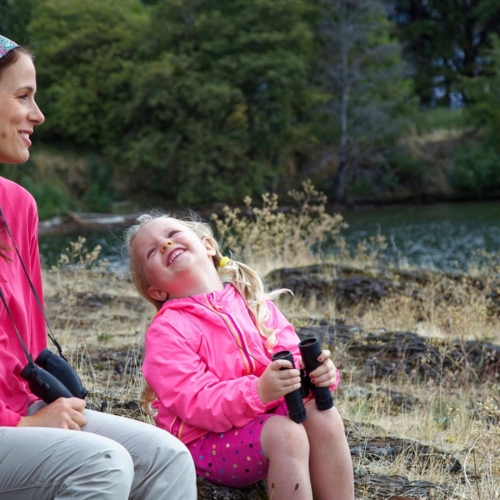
pixel 425 174
pixel 419 351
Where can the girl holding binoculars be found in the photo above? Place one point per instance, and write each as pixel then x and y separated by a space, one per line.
pixel 209 373
pixel 43 454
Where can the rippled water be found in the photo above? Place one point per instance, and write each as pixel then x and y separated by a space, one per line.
pixel 441 236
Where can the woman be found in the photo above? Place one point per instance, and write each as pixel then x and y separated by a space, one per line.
pixel 60 450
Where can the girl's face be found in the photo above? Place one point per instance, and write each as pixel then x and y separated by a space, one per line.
pixel 176 262
pixel 19 111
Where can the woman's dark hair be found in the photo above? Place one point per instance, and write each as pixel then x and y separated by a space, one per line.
pixel 6 61
pixel 12 57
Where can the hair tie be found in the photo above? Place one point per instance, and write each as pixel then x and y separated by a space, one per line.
pixel 6 46
pixel 224 262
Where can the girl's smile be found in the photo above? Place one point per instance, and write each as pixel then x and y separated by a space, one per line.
pixel 176 261
pixel 174 256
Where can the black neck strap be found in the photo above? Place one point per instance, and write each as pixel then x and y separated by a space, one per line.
pixel 37 298
pixel 23 345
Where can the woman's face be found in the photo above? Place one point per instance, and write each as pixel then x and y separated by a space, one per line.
pixel 19 111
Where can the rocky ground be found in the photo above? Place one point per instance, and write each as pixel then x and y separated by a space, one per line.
pixel 100 320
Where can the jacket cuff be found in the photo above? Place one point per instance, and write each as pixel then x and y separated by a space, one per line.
pixel 336 382
pixel 256 402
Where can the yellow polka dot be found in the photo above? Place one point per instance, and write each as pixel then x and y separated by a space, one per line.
pixel 213 446
pixel 236 433
pixel 260 463
pixel 214 452
pixel 207 474
pixel 235 466
pixel 248 458
pixel 228 445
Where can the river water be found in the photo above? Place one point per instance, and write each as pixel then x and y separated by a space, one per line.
pixel 443 236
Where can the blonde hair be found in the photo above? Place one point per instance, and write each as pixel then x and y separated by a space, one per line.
pixel 247 281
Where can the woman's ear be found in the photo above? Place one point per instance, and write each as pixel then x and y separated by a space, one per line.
pixel 157 294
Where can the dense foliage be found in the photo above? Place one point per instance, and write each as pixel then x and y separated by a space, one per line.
pixel 195 102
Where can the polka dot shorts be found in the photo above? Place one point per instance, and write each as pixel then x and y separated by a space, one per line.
pixel 233 458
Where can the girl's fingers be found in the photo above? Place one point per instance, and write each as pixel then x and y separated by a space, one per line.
pixel 324 355
pixel 280 363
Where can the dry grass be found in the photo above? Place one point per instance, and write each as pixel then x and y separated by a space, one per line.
pixel 91 310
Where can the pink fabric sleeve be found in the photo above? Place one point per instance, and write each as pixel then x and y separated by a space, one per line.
pixel 8 418
pixel 187 387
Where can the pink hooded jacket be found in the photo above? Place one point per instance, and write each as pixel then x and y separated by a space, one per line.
pixel 203 358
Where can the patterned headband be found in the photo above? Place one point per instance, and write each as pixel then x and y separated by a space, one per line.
pixel 6 46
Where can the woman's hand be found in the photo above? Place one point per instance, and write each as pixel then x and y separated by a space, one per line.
pixel 64 413
pixel 326 374
pixel 274 383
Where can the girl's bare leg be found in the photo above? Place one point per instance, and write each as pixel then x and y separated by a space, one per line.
pixel 286 448
pixel 330 459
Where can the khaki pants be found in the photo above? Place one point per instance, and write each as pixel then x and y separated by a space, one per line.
pixel 113 458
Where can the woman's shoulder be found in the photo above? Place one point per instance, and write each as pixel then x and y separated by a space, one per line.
pixel 12 192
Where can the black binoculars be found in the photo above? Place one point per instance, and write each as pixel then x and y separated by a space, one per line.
pixel 310 349
pixel 51 377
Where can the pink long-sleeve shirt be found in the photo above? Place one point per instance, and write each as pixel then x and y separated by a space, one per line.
pixel 203 358
pixel 19 209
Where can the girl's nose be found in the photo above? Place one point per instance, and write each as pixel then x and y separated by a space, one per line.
pixel 164 245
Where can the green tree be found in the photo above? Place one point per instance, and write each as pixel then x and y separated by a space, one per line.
pixel 476 163
pixel 222 86
pixel 367 84
pixel 443 40
pixel 15 16
pixel 483 94
pixel 85 63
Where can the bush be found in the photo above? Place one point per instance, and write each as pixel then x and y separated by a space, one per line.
pixel 439 118
pixel 52 199
pixel 475 169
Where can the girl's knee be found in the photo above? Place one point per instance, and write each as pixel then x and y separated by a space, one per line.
pixel 327 423
pixel 283 435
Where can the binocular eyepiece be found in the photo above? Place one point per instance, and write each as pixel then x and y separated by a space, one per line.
pixel 51 377
pixel 310 349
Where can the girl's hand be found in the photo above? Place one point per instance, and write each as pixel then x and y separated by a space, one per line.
pixel 274 383
pixel 326 374
pixel 64 413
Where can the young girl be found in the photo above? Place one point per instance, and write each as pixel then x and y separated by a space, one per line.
pixel 210 375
